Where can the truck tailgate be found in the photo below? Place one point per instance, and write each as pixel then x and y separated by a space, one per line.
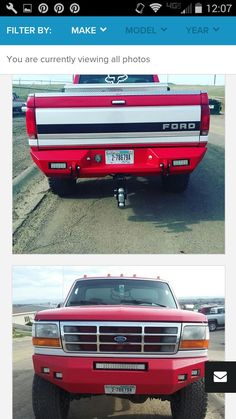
pixel 109 115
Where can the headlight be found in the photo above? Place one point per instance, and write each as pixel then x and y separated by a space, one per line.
pixel 46 334
pixel 194 337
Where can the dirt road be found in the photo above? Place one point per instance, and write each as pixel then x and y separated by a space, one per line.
pixel 154 222
pixel 101 407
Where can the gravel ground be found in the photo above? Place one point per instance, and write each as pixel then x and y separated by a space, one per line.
pixel 21 154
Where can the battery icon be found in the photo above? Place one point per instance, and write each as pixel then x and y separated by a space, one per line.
pixel 198 8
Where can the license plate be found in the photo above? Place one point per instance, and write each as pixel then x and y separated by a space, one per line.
pixel 119 156
pixel 124 389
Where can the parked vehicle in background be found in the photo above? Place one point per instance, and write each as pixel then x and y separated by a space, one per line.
pixel 206 308
pixel 215 106
pixel 216 318
pixel 119 126
pixel 124 337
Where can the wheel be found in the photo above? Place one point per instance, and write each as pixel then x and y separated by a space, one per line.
pixel 212 326
pixel 62 186
pixel 49 401
pixel 190 402
pixel 175 183
pixel 215 106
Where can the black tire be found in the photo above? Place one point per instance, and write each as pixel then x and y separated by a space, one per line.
pixel 212 326
pixel 62 186
pixel 175 183
pixel 217 106
pixel 190 402
pixel 49 401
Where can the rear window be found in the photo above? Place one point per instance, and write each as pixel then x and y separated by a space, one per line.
pixel 115 78
pixel 121 291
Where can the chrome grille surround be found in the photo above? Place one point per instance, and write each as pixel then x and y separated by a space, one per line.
pixel 141 338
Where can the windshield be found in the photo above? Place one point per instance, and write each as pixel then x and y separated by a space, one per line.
pixel 115 78
pixel 121 291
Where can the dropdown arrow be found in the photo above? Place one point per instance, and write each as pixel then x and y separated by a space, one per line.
pixel 164 29
pixel 216 29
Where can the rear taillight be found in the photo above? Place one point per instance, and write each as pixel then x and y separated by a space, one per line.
pixel 30 118
pixel 205 115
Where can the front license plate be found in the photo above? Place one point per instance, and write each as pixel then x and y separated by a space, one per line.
pixel 111 389
pixel 119 156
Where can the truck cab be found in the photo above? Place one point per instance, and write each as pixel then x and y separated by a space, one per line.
pixel 123 337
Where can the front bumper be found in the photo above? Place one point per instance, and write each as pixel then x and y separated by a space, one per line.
pixel 80 377
pixel 147 161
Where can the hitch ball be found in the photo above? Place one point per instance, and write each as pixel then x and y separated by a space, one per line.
pixel 121 197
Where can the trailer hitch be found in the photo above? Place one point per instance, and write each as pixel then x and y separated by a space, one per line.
pixel 120 192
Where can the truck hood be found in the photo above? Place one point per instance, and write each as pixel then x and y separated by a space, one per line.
pixel 120 313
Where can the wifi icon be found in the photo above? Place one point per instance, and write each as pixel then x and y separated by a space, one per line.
pixel 155 7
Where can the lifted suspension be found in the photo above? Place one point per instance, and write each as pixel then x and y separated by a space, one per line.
pixel 120 192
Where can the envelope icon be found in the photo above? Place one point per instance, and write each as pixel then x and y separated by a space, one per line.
pixel 220 376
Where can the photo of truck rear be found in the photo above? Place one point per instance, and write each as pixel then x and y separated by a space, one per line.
pixel 118 126
pixel 122 337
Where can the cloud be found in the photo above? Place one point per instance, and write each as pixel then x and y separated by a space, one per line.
pixel 54 282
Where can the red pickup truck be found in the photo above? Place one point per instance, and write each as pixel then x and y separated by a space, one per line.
pixel 117 125
pixel 124 337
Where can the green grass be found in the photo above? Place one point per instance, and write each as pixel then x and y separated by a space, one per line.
pixel 20 333
pixel 24 90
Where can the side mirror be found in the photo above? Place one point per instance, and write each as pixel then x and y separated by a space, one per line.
pixel 59 305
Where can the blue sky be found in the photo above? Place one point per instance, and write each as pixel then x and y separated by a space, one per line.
pixel 53 282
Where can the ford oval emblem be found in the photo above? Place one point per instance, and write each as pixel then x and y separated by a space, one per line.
pixel 120 339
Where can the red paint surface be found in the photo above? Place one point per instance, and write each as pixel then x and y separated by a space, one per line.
pixel 148 157
pixel 143 164
pixel 79 375
pixel 120 313
pixel 166 99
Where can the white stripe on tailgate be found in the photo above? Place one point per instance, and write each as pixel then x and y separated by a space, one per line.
pixel 129 114
pixel 121 135
pixel 112 140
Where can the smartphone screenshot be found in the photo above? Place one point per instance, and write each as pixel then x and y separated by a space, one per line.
pixel 117 209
